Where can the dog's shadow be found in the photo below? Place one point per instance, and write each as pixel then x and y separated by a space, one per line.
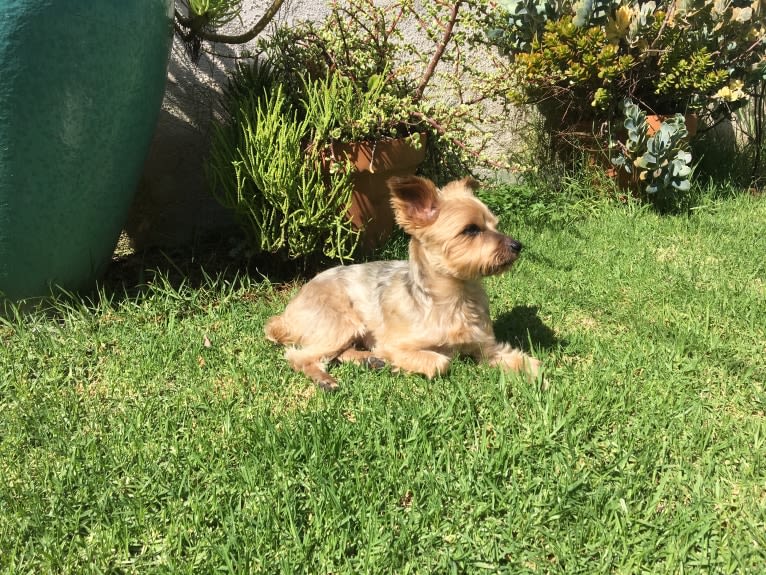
pixel 523 329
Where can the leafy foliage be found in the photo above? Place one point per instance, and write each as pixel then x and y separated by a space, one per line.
pixel 216 12
pixel 432 58
pixel 360 60
pixel 569 62
pixel 658 162
pixel 672 55
pixel 196 21
pixel 577 61
pixel 349 78
pixel 262 168
pixel 312 86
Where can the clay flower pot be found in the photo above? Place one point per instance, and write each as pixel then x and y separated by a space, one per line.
pixel 375 163
pixel 655 121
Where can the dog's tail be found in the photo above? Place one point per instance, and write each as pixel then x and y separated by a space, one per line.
pixel 276 330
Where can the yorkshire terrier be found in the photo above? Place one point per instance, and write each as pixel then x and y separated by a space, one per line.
pixel 415 315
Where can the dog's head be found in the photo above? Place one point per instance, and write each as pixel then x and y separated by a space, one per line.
pixel 453 231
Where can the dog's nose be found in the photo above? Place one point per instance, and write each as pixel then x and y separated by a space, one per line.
pixel 515 245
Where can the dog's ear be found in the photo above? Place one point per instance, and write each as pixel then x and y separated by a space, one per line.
pixel 415 201
pixel 471 183
pixel 466 187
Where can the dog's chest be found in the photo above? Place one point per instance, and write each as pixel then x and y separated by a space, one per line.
pixel 465 323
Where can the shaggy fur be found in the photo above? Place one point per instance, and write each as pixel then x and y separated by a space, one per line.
pixel 416 314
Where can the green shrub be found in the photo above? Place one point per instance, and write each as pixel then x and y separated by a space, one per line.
pixel 349 78
pixel 577 61
pixel 265 169
pixel 585 57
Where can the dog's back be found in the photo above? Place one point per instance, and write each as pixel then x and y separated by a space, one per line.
pixel 351 292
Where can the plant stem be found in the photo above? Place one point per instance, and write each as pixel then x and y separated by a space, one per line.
pixel 759 105
pixel 441 130
pixel 438 52
pixel 196 25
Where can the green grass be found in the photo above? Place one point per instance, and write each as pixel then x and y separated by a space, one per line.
pixel 159 432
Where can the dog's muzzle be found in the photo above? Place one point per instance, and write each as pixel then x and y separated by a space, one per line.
pixel 508 250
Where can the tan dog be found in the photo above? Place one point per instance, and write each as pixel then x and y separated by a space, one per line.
pixel 417 314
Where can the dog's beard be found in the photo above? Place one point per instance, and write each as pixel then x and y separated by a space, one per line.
pixel 497 268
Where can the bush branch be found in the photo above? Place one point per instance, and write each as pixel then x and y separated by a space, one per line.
pixel 197 23
pixel 438 52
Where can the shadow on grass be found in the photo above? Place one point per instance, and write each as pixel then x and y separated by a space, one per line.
pixel 523 329
pixel 190 265
pixel 219 258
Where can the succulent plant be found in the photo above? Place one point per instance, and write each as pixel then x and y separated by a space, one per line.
pixel 659 162
pixel 526 19
pixel 577 60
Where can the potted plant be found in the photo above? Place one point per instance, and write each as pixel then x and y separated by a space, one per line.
pixel 299 167
pixel 81 91
pixel 654 156
pixel 345 88
pixel 579 61
pixel 80 98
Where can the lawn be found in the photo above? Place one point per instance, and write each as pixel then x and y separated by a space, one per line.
pixel 158 432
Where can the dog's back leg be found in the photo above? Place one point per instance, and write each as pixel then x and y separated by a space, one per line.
pixel 319 325
pixel 312 359
pixel 362 357
pixel 312 363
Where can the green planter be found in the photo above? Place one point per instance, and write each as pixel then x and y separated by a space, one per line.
pixel 81 89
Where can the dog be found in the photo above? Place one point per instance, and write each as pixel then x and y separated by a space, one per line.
pixel 415 315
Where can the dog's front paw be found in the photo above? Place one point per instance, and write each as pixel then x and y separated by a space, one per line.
pixel 327 383
pixel 374 363
pixel 439 365
pixel 534 371
pixel 423 361
pixel 511 359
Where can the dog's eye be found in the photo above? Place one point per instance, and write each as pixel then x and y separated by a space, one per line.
pixel 472 230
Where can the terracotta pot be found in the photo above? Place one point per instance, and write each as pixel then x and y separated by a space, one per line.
pixel 655 120
pixel 375 163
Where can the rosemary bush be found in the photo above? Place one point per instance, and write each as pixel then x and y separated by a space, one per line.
pixel 277 186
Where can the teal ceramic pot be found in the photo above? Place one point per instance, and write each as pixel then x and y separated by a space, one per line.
pixel 81 85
